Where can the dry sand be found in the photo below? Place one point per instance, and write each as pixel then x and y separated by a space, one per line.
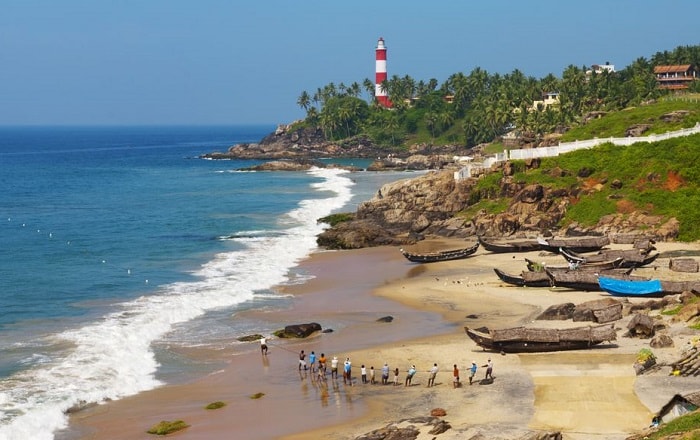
pixel 584 394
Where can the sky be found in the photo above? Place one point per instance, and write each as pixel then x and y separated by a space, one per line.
pixel 212 62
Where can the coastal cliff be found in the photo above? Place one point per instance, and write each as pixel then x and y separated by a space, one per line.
pixel 437 205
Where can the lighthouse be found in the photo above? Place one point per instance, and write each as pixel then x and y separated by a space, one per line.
pixel 380 75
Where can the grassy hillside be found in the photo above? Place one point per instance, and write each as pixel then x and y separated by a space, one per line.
pixel 660 178
pixel 615 124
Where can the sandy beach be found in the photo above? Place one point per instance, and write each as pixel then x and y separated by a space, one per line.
pixel 584 394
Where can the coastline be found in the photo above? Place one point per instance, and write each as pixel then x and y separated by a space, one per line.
pixel 430 303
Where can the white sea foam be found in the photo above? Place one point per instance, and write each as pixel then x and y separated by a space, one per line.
pixel 113 357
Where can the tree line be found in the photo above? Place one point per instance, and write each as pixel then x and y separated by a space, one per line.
pixel 473 108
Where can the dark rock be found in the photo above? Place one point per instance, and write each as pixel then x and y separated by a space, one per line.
pixel 327 330
pixel 585 172
pixel 440 427
pixel 557 312
pixel 641 326
pixel 661 341
pixel 637 130
pixel 616 184
pixel 472 316
pixel 298 330
pixel 385 319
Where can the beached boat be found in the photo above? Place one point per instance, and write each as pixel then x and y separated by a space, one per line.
pixel 502 247
pixel 433 257
pixel 582 266
pixel 523 339
pixel 619 287
pixel 630 257
pixel 583 279
pixel 526 279
pixel 575 244
pixel 654 287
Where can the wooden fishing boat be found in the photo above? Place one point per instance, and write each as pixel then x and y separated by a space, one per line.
pixel 433 257
pixel 502 247
pixel 526 279
pixel 582 266
pixel 523 339
pixel 575 244
pixel 631 257
pixel 583 279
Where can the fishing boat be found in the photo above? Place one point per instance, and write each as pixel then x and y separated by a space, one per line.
pixel 524 339
pixel 619 287
pixel 575 265
pixel 433 257
pixel 630 257
pixel 575 244
pixel 583 279
pixel 502 247
pixel 526 279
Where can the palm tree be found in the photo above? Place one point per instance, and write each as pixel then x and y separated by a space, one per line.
pixel 304 101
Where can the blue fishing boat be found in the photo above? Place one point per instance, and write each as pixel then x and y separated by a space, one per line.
pixel 620 287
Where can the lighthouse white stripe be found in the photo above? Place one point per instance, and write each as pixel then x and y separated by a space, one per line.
pixel 381 66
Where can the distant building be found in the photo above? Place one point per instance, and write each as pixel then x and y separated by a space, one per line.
pixel 548 99
pixel 600 68
pixel 677 77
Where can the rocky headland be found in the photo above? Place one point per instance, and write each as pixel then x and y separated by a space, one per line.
pixel 435 204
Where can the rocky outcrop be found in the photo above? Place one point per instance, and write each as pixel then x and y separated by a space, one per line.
pixel 296 141
pixel 298 330
pixel 406 211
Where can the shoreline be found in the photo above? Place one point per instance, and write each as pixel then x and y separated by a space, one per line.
pixel 430 303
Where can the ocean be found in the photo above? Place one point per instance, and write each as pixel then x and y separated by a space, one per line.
pixel 119 247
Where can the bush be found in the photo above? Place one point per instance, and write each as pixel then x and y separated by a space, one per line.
pixel 215 405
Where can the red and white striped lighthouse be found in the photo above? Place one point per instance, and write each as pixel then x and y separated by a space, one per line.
pixel 380 75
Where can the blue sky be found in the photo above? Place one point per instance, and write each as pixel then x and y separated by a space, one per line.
pixel 123 62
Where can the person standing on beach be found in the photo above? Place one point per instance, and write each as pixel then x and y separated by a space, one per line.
pixel 312 361
pixel 409 375
pixel 472 372
pixel 334 367
pixel 363 373
pixel 302 360
pixel 322 363
pixel 433 374
pixel 396 376
pixel 263 346
pixel 489 369
pixel 385 374
pixel 371 375
pixel 347 372
pixel 455 375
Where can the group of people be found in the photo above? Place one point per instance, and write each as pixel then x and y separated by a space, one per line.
pixel 318 366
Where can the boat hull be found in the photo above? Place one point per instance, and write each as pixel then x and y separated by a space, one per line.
pixel 533 340
pixel 434 257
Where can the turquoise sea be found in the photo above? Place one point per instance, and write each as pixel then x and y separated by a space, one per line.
pixel 118 245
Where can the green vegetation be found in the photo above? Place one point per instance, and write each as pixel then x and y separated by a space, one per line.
pixel 474 108
pixel 671 312
pixel 334 219
pixel 615 124
pixel 687 423
pixel 658 178
pixel 644 355
pixel 215 405
pixel 257 395
pixel 165 427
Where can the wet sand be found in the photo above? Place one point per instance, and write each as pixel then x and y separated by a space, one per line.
pixel 584 394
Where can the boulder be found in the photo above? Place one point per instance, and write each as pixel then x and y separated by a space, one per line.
pixel 557 312
pixel 298 330
pixel 599 310
pixel 683 265
pixel 438 412
pixel 661 341
pixel 641 326
pixel 385 319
